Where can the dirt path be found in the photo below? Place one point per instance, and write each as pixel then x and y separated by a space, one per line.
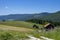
pixel 5 27
pixel 42 38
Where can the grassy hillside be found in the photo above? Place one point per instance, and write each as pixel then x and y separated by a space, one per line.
pixel 12 35
pixel 20 24
pixel 15 35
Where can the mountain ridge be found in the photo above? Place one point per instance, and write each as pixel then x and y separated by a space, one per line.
pixel 20 16
pixel 44 16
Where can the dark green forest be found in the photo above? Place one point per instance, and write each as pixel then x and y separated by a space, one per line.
pixel 53 18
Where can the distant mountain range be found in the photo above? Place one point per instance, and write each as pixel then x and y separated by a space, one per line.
pixel 45 16
pixel 16 17
pixel 21 16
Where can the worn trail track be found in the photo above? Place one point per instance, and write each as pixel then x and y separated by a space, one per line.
pixel 5 27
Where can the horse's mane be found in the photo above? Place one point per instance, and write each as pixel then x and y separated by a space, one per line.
pixel 46 25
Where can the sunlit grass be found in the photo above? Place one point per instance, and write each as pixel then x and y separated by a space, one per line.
pixel 20 24
pixel 54 34
pixel 12 35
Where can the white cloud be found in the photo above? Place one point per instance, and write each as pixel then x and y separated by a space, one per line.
pixel 6 7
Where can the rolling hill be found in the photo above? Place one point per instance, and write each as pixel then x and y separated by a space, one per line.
pixel 52 17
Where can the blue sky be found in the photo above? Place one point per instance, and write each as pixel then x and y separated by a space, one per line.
pixel 28 6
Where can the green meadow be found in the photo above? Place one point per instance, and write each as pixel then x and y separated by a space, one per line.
pixel 23 29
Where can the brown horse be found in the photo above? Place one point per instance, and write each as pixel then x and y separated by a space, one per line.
pixel 35 26
pixel 48 26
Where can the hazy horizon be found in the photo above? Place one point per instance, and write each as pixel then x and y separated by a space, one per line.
pixel 28 6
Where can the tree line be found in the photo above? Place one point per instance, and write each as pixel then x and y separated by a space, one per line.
pixel 40 21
